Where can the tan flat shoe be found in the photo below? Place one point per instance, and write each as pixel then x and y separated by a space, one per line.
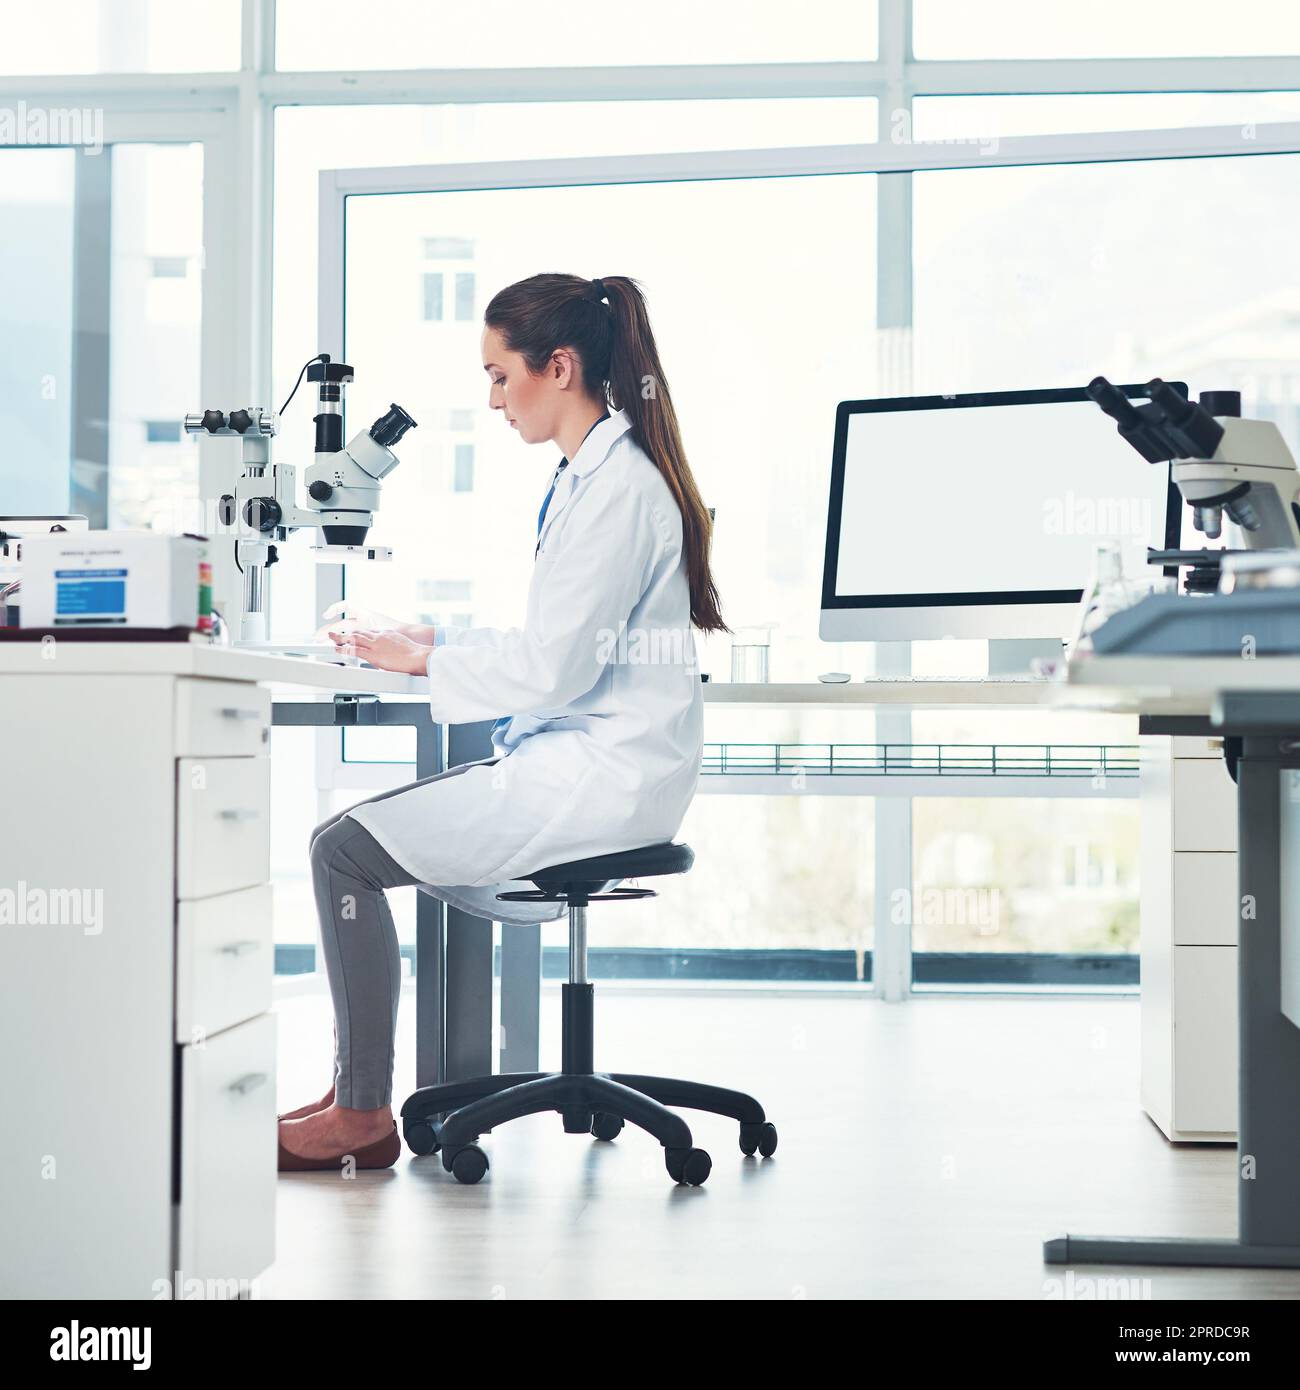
pixel 383 1153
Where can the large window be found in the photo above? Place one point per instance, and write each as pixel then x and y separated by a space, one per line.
pixel 188 276
pixel 737 255
pixel 100 294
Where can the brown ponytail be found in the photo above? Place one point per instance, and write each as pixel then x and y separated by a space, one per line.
pixel 620 364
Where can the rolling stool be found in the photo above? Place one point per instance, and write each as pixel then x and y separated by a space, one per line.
pixel 590 1102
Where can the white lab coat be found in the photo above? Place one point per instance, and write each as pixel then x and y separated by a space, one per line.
pixel 602 684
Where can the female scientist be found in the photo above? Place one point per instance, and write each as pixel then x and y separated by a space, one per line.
pixel 597 700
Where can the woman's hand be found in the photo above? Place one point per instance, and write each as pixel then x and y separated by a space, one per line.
pixel 348 616
pixel 355 618
pixel 390 651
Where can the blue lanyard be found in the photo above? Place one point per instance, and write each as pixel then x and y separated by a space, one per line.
pixel 541 516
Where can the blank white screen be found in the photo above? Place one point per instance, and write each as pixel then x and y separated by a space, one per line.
pixel 991 498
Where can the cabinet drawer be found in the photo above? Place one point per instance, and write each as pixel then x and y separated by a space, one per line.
pixel 223 840
pixel 228 1153
pixel 224 962
pixel 1205 899
pixel 1204 805
pixel 221 719
pixel 1205 1039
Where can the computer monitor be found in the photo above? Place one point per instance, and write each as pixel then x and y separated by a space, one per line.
pixel 977 515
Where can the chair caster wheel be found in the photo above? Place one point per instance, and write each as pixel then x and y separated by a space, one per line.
pixel 420 1138
pixel 606 1126
pixel 468 1165
pixel 758 1138
pixel 688 1166
pixel 449 1155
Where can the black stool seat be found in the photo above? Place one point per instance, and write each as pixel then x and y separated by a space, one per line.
pixel 647 862
pixel 449 1118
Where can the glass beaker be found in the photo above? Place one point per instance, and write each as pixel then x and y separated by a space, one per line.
pixel 749 655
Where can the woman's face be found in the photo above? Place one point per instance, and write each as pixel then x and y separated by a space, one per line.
pixel 532 403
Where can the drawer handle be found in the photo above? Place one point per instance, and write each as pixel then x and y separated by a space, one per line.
pixel 240 948
pixel 251 1082
pixel 231 712
pixel 239 813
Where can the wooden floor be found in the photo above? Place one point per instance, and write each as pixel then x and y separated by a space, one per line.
pixel 926 1150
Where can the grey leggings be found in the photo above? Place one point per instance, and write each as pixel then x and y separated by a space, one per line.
pixel 350 871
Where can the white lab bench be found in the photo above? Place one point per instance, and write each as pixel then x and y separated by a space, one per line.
pixel 141 770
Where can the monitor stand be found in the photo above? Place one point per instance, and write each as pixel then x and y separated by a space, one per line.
pixel 1011 656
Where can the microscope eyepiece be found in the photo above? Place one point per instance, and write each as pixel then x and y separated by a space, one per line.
pixel 1141 428
pixel 1176 407
pixel 1113 401
pixel 1194 429
pixel 389 428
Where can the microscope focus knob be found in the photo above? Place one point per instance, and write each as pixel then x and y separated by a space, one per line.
pixel 240 421
pixel 320 491
pixel 262 513
pixel 213 420
pixel 226 510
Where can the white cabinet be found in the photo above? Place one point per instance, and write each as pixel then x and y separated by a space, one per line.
pixel 1189 939
pixel 141 1085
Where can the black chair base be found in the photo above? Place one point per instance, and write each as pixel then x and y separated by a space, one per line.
pixel 596 1103
pixel 451 1117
